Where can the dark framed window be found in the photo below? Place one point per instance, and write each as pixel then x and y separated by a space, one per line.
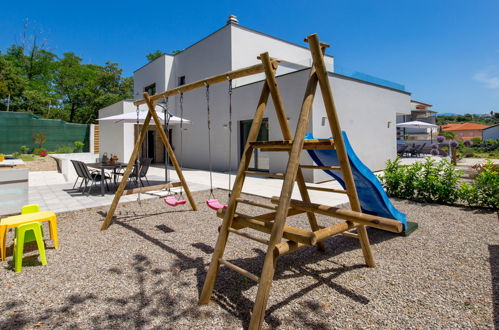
pixel 151 89
pixel 181 80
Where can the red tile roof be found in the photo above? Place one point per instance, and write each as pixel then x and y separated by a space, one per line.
pixel 463 127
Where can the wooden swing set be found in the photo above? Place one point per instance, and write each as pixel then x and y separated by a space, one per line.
pixel 281 207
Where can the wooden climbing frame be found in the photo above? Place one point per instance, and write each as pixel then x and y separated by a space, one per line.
pixel 274 222
pixel 151 104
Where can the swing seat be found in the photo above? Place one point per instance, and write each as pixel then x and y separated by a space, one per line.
pixel 173 201
pixel 215 204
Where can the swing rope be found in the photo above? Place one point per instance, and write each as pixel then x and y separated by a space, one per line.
pixel 166 118
pixel 137 162
pixel 209 139
pixel 230 136
pixel 181 135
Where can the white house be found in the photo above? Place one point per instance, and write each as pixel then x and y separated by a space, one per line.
pixel 367 111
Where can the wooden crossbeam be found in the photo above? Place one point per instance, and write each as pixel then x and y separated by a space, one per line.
pixel 265 174
pixel 285 145
pixel 332 190
pixel 317 167
pixel 240 270
pixel 253 203
pixel 152 188
pixel 349 215
pixel 231 75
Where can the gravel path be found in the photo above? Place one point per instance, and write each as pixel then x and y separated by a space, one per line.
pixel 147 271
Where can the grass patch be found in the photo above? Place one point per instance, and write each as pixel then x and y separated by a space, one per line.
pixel 27 157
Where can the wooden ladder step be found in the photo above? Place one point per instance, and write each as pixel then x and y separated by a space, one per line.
pixel 265 174
pixel 338 191
pixel 249 236
pixel 238 269
pixel 349 215
pixel 264 225
pixel 253 203
pixel 317 167
pixel 285 145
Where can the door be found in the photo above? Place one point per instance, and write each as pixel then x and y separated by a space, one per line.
pixel 260 160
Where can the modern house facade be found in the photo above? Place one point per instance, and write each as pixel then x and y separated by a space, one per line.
pixel 419 112
pixel 367 111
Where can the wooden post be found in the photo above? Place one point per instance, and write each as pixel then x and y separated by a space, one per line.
pixel 327 95
pixel 128 170
pixel 209 281
pixel 283 205
pixel 151 104
pixel 286 134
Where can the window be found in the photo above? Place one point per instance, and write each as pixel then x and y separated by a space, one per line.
pixel 181 80
pixel 151 89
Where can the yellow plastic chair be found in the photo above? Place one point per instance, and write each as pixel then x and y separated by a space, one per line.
pixel 23 233
pixel 31 208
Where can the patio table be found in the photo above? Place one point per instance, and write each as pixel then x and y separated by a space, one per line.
pixel 105 166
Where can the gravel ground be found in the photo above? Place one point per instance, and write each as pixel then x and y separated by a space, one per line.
pixel 148 269
pixel 42 164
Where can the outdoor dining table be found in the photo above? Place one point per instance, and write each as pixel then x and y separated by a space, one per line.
pixel 106 166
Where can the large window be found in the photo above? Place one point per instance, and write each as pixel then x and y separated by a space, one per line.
pixel 151 89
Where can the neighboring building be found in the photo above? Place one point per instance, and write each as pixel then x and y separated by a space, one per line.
pixel 419 112
pixel 465 131
pixel 491 132
pixel 367 111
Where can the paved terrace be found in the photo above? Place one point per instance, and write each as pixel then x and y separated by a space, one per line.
pixel 51 191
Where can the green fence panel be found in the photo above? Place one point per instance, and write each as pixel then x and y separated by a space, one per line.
pixel 17 129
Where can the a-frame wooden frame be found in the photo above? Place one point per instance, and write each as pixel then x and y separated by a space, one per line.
pixel 274 223
pixel 151 113
pixel 151 103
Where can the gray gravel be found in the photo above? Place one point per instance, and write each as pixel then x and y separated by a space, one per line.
pixel 148 269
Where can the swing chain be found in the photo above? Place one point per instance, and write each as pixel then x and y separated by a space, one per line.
pixel 181 135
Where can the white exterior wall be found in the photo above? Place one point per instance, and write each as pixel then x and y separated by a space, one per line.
pixel 158 72
pixel 491 133
pixel 116 138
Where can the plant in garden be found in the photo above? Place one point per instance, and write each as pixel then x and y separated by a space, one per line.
pixel 39 139
pixel 24 149
pixel 64 150
pixel 468 143
pixel 79 146
pixel 43 152
pixel 440 138
pixel 484 191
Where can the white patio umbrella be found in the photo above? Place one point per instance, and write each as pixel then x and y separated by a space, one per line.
pixel 418 124
pixel 131 118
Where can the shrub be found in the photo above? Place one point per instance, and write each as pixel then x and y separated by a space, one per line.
pixel 78 146
pixel 468 143
pixel 67 149
pixel 440 138
pixel 24 149
pixel 484 191
pixel 39 139
pixel 476 140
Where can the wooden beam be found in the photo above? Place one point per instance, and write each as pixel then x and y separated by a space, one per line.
pixel 171 153
pixel 287 247
pixel 317 50
pixel 285 145
pixel 253 203
pixel 231 75
pixel 349 215
pixel 239 270
pixel 126 174
pixel 317 167
pixel 265 174
pixel 332 190
pixel 152 188
pixel 335 229
pixel 249 236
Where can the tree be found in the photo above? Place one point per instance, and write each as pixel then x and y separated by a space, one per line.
pixel 12 83
pixel 154 55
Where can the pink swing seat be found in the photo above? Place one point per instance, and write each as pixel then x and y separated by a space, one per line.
pixel 215 204
pixel 173 201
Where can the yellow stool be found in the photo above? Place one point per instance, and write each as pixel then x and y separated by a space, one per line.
pixel 28 232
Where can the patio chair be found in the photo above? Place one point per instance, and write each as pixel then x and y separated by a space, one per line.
pixel 401 149
pixel 417 150
pixel 79 173
pixel 92 177
pixel 144 168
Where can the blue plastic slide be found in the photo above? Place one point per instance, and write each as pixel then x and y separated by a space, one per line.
pixel 373 198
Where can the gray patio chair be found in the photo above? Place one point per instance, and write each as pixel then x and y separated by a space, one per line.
pixel 79 173
pixel 401 149
pixel 144 168
pixel 92 177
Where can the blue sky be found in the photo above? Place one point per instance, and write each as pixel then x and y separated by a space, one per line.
pixel 445 52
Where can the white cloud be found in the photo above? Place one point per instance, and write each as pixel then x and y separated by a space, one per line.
pixel 488 77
